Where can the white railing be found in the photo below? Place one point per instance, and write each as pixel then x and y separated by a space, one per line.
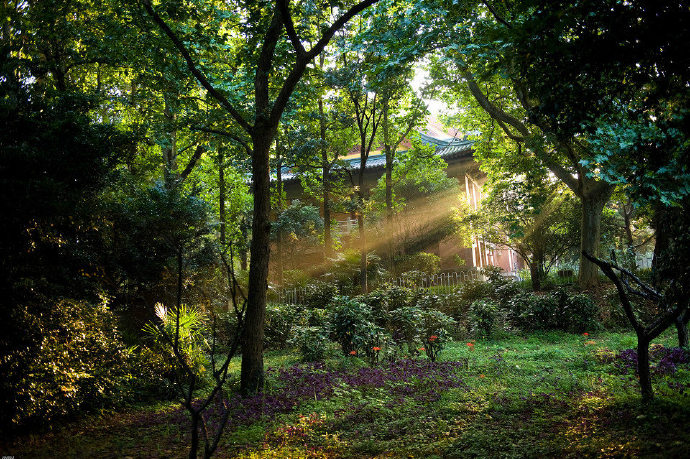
pixel 439 283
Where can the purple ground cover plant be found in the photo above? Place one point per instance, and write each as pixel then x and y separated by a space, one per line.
pixel 667 360
pixel 423 381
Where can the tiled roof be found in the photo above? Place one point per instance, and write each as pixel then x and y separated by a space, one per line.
pixel 446 147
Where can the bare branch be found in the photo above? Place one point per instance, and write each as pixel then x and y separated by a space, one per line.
pixel 607 269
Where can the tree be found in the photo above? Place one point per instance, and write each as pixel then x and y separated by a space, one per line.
pixel 260 123
pixel 354 78
pixel 511 111
pixel 533 215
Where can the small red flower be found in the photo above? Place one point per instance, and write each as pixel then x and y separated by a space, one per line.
pixel 433 338
pixel 471 346
pixel 376 348
pixel 422 349
pixel 585 334
pixel 353 352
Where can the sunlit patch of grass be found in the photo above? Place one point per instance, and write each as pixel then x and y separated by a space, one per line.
pixel 543 394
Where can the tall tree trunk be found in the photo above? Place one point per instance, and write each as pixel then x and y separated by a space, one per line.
pixel 665 220
pixel 643 368
pixel 536 270
pixel 325 180
pixel 593 202
pixel 389 180
pixel 279 190
pixel 170 153
pixel 221 196
pixel 252 374
pixel 362 235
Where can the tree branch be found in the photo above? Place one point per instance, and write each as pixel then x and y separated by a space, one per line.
pixel 302 60
pixel 192 162
pixel 607 269
pixel 290 27
pixel 496 16
pixel 227 134
pixel 263 70
pixel 495 112
pixel 200 77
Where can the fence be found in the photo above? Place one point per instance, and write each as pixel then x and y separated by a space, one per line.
pixel 439 283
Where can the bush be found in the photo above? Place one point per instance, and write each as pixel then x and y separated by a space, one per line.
pixel 76 362
pixel 528 311
pixel 482 316
pixel 319 293
pixel 426 263
pixel 351 324
pixel 434 330
pixel 561 310
pixel 404 325
pixel 378 302
pixel 428 301
pixel 279 324
pixel 188 325
pixel 580 313
pixel 398 297
pixel 312 342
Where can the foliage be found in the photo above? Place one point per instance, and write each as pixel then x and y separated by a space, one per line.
pixel 542 394
pixel 434 323
pixel 482 316
pixel 426 263
pixel 279 325
pixel 318 294
pixel 404 326
pixel 351 324
pixel 149 228
pixel 299 225
pixel 75 362
pixel 345 271
pixel 578 312
pixel 312 342
pixel 180 330
pixel 559 310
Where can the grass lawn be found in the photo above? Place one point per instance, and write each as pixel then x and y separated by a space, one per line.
pixel 542 394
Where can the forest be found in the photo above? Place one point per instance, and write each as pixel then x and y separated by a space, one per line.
pixel 340 228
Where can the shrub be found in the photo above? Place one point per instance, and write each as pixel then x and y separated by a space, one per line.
pixel 311 341
pixel 426 263
pixel 560 310
pixel 398 297
pixel 404 325
pixel 529 311
pixel 76 362
pixel 319 293
pixel 428 301
pixel 378 302
pixel 434 323
pixel 189 328
pixel 580 313
pixel 482 316
pixel 351 323
pixel 278 325
pixel 469 293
